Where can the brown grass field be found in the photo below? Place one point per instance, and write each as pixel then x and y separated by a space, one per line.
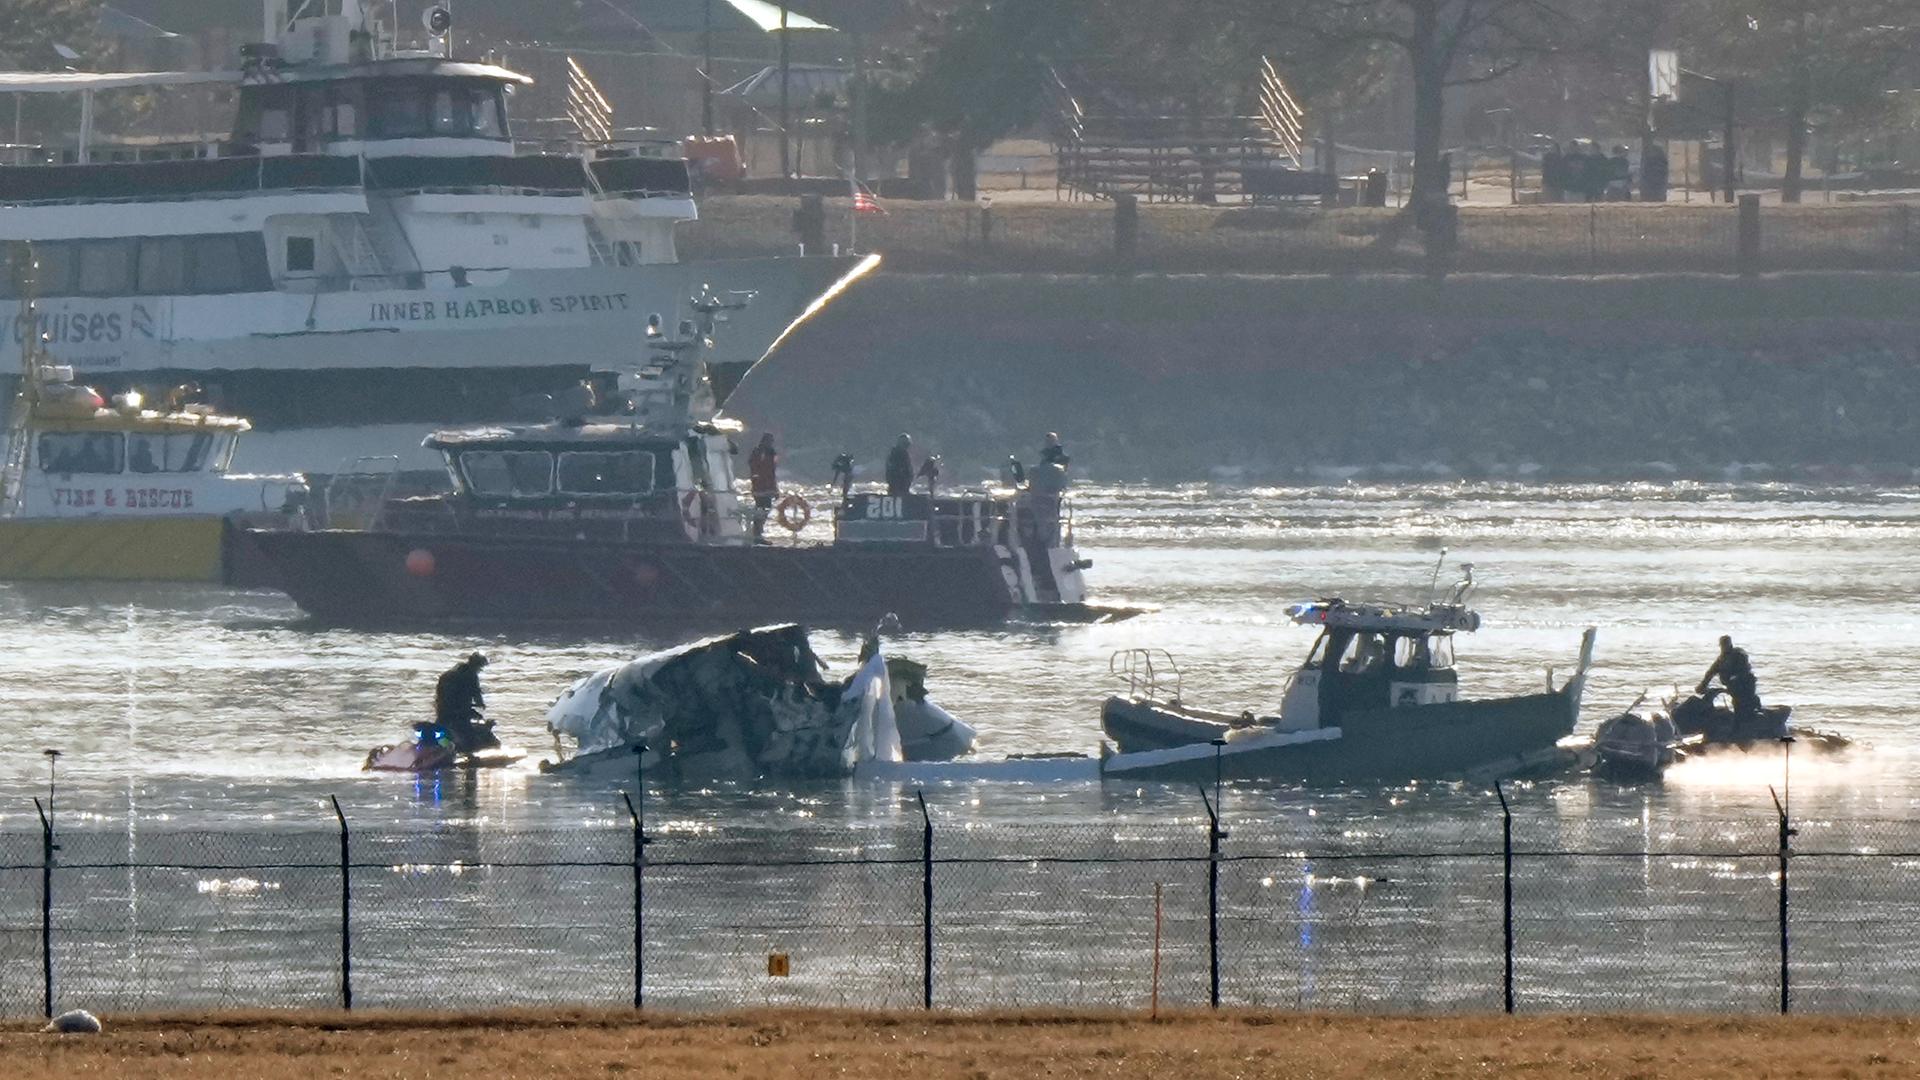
pixel 941 1046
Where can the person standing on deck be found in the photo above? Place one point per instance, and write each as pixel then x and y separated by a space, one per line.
pixel 1052 453
pixel 763 466
pixel 900 472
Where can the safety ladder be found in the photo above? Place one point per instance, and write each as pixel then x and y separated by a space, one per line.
pixel 365 267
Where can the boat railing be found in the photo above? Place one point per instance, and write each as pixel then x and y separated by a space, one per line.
pixel 962 519
pixel 1144 671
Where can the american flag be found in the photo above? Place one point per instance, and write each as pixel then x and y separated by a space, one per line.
pixel 864 202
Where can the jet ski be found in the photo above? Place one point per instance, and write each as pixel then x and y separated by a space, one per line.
pixel 1714 724
pixel 432 749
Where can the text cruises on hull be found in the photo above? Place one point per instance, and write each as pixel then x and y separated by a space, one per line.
pixel 368 254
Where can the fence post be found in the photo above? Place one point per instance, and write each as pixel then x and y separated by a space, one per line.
pixel 47 848
pixel 636 812
pixel 1783 808
pixel 346 910
pixel 1593 240
pixel 926 907
pixel 1214 835
pixel 1506 849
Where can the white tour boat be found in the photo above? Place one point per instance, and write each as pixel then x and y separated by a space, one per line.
pixel 368 255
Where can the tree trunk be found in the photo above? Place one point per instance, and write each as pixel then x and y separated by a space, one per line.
pixel 1329 158
pixel 1791 184
pixel 1797 108
pixel 1798 104
pixel 1429 108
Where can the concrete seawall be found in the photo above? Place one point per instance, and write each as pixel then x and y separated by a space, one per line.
pixel 1274 378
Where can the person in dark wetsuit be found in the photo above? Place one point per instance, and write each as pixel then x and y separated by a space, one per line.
pixel 843 474
pixel 458 707
pixel 1052 453
pixel 900 466
pixel 763 467
pixel 1735 672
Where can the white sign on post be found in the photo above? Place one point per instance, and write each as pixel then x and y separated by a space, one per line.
pixel 1663 66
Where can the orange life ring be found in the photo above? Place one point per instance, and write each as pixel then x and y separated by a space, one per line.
pixel 794 513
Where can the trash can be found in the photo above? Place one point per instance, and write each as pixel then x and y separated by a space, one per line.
pixel 1375 192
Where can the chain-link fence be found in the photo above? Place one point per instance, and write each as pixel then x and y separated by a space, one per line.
pixel 1556 239
pixel 1540 910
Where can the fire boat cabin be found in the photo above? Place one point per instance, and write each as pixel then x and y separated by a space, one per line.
pixel 119 491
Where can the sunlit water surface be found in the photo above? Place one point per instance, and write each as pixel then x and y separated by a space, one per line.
pixel 221 707
pixel 209 728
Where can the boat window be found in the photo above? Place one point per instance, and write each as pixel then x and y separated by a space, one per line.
pixel 1440 651
pixel 501 473
pixel 275 124
pixel 163 265
pixel 396 111
pixel 146 453
pixel 227 262
pixel 346 120
pixel 628 472
pixel 300 254
pixel 95 452
pixel 1365 654
pixel 487 122
pixel 446 113
pixel 216 264
pixel 1410 653
pixel 106 267
pixel 186 452
pixel 56 272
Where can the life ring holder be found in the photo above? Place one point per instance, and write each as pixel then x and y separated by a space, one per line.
pixel 794 512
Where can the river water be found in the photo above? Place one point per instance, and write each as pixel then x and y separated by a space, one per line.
pixel 184 711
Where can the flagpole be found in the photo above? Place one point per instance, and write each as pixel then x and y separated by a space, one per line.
pixel 786 165
pixel 853 217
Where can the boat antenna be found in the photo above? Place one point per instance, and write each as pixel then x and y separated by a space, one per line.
pixel 1434 585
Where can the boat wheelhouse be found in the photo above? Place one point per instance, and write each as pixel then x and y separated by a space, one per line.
pixel 1377 699
pixel 115 490
pixel 368 253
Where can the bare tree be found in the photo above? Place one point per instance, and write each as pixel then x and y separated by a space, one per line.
pixel 1446 43
pixel 1802 62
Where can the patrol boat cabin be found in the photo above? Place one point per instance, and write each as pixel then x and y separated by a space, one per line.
pixel 1377 698
pixel 628 508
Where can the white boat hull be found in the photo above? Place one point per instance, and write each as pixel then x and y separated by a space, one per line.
pixel 326 377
